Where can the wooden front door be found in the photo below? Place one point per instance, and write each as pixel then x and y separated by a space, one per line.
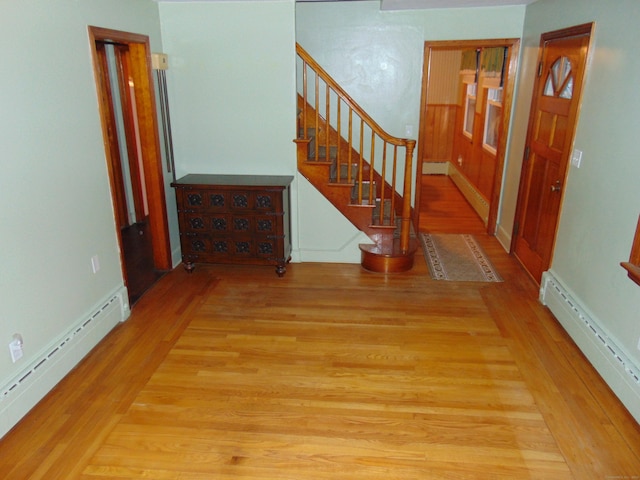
pixel 554 113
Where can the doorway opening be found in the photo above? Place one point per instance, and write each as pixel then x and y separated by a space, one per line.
pixel 467 92
pixel 126 100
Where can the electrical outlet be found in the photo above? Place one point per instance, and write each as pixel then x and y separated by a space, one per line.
pixel 15 348
pixel 408 130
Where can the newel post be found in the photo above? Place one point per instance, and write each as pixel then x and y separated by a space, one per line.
pixel 405 226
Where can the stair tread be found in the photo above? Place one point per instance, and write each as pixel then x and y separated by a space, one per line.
pixel 318 162
pixel 340 181
pixel 388 226
pixel 361 205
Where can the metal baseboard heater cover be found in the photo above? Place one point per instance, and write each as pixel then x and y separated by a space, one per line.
pixel 607 357
pixel 27 388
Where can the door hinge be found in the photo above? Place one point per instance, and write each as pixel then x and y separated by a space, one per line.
pixel 527 151
pixel 540 69
pixel 516 229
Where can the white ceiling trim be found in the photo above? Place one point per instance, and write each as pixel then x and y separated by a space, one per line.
pixel 400 4
pixel 422 4
pixel 430 4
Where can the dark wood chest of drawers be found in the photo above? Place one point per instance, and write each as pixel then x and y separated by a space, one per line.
pixel 240 219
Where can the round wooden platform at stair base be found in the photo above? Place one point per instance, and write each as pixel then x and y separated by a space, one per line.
pixel 389 259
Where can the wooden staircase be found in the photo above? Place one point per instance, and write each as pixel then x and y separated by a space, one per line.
pixel 363 171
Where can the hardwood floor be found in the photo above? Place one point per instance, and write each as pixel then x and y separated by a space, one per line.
pixel 443 209
pixel 331 372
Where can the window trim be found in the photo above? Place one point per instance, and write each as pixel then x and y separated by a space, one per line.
pixel 496 103
pixel 467 98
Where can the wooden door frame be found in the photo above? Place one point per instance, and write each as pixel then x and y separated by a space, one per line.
pixel 513 44
pixel 577 30
pixel 141 72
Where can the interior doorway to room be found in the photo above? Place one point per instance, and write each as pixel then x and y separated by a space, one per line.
pixel 552 121
pixel 467 92
pixel 127 109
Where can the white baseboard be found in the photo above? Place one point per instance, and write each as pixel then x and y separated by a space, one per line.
pixel 349 252
pixel 176 257
pixel 435 168
pixel 477 201
pixel 26 389
pixel 504 237
pixel 613 365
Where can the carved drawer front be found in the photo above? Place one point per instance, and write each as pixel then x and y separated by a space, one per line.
pixel 220 223
pixel 267 224
pixel 218 200
pixel 242 223
pixel 196 199
pixel 240 200
pixel 204 246
pixel 195 222
pixel 266 248
pixel 253 201
pixel 242 247
pixel 215 223
pixel 220 246
pixel 196 245
pixel 267 201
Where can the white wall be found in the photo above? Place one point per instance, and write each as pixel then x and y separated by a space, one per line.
pixel 601 199
pixel 377 56
pixel 54 189
pixel 232 87
pixel 231 82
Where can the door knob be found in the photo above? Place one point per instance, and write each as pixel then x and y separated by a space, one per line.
pixel 556 187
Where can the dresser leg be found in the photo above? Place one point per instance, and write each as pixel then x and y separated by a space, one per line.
pixel 281 267
pixel 189 266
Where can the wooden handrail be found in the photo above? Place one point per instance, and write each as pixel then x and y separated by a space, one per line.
pixel 348 100
pixel 356 153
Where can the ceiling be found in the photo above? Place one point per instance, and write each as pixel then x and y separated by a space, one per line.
pixel 427 4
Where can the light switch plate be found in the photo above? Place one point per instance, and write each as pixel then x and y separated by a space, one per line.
pixel 576 158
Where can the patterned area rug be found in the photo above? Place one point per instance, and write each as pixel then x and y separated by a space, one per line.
pixel 457 258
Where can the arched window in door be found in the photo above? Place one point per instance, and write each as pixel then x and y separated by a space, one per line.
pixel 559 81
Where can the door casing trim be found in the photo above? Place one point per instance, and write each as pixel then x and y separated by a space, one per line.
pixel 509 88
pixel 140 54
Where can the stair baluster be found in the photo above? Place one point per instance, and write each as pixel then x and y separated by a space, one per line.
pixel 355 181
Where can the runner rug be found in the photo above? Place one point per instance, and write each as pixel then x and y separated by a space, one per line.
pixel 457 258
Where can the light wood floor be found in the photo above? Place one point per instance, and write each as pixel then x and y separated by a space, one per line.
pixel 331 372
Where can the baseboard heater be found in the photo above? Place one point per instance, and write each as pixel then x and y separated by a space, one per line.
pixel 608 358
pixel 469 191
pixel 25 390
